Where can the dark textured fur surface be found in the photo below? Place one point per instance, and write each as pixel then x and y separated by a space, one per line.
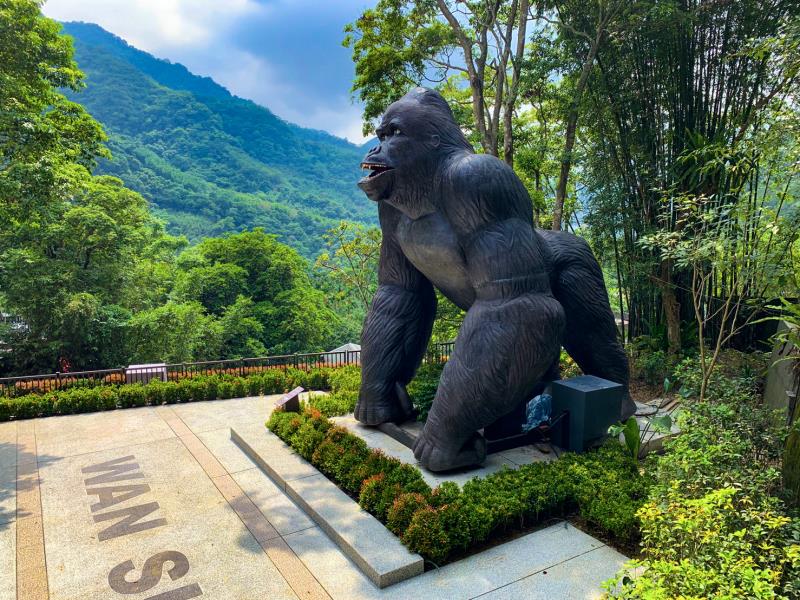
pixel 461 222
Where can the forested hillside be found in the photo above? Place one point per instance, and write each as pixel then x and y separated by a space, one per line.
pixel 210 162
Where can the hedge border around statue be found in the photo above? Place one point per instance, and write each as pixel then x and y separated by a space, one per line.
pixel 77 399
pixel 604 488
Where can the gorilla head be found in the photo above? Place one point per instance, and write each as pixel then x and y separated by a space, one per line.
pixel 416 132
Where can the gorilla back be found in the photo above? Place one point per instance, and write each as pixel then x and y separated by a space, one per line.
pixel 462 222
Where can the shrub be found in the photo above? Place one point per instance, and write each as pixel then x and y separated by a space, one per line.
pixel 7 408
pixel 132 395
pixel 239 387
pixel 402 510
pixel 107 398
pixel 154 393
pixel 273 381
pixel 426 535
pixel 224 390
pixel 345 379
pixel 738 375
pixel 371 491
pixel 343 456
pixel 32 406
pixel 723 544
pixel 293 378
pixel 713 526
pixel 335 403
pixel 442 522
pixel 319 379
pixel 422 389
pixel 89 395
pixel 169 392
pixel 254 385
pixel 184 389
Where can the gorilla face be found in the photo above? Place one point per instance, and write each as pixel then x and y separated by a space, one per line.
pixel 404 152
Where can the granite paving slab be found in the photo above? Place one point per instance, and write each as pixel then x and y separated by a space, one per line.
pixel 8 494
pixel 275 505
pixel 164 504
pixel 277 460
pixel 71 435
pixel 377 552
pixel 8 444
pixel 470 577
pixel 219 442
pixel 574 579
pixel 204 525
pixel 8 553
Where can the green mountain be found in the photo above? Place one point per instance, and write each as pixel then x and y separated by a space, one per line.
pixel 210 162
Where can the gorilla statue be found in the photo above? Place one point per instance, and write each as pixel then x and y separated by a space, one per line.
pixel 463 222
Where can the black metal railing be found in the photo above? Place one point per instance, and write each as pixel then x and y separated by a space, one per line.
pixel 50 382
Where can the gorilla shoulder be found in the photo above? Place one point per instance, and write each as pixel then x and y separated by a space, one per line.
pixel 484 188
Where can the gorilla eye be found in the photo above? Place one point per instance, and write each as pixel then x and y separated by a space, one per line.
pixel 395 131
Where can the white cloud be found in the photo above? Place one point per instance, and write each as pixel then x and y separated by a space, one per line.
pixel 254 78
pixel 154 25
pixel 201 34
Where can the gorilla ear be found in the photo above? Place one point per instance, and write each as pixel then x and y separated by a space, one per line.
pixel 434 141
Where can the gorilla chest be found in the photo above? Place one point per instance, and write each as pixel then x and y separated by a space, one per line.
pixel 431 246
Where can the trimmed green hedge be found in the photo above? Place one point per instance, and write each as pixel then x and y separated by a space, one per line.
pixel 344 384
pixel 605 488
pixel 211 387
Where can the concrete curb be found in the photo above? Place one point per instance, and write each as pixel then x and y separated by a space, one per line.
pixel 364 539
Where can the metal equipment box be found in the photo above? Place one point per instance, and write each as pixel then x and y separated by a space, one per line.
pixel 593 404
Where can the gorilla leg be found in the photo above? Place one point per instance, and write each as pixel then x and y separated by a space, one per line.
pixel 590 335
pixel 509 339
pixel 396 332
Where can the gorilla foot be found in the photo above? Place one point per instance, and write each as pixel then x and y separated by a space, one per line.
pixel 437 457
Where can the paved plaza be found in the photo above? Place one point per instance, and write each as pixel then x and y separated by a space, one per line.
pixel 160 504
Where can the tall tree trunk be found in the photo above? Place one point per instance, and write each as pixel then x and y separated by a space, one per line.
pixel 672 308
pixel 572 126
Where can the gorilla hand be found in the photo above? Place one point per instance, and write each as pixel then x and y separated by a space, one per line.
pixel 377 404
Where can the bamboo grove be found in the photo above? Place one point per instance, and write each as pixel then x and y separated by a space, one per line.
pixel 665 130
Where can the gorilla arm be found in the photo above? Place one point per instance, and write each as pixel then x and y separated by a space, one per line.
pixel 396 330
pixel 511 334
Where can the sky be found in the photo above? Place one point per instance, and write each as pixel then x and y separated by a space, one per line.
pixel 283 54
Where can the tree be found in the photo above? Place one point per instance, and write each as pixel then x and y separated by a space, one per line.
pixel 215 286
pixel 679 77
pixel 46 141
pixel 262 291
pixel 736 251
pixel 587 26
pixel 175 333
pixel 70 283
pixel 400 43
pixel 352 259
pixel 241 330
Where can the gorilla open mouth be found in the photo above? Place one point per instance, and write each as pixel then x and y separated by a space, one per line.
pixel 375 168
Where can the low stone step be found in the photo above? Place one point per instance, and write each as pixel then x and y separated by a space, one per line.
pixel 364 539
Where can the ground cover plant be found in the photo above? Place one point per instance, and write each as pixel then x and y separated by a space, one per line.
pixel 343 383
pixel 89 398
pixel 605 488
pixel 716 523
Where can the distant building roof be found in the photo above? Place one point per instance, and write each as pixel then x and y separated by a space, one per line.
pixel 348 347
